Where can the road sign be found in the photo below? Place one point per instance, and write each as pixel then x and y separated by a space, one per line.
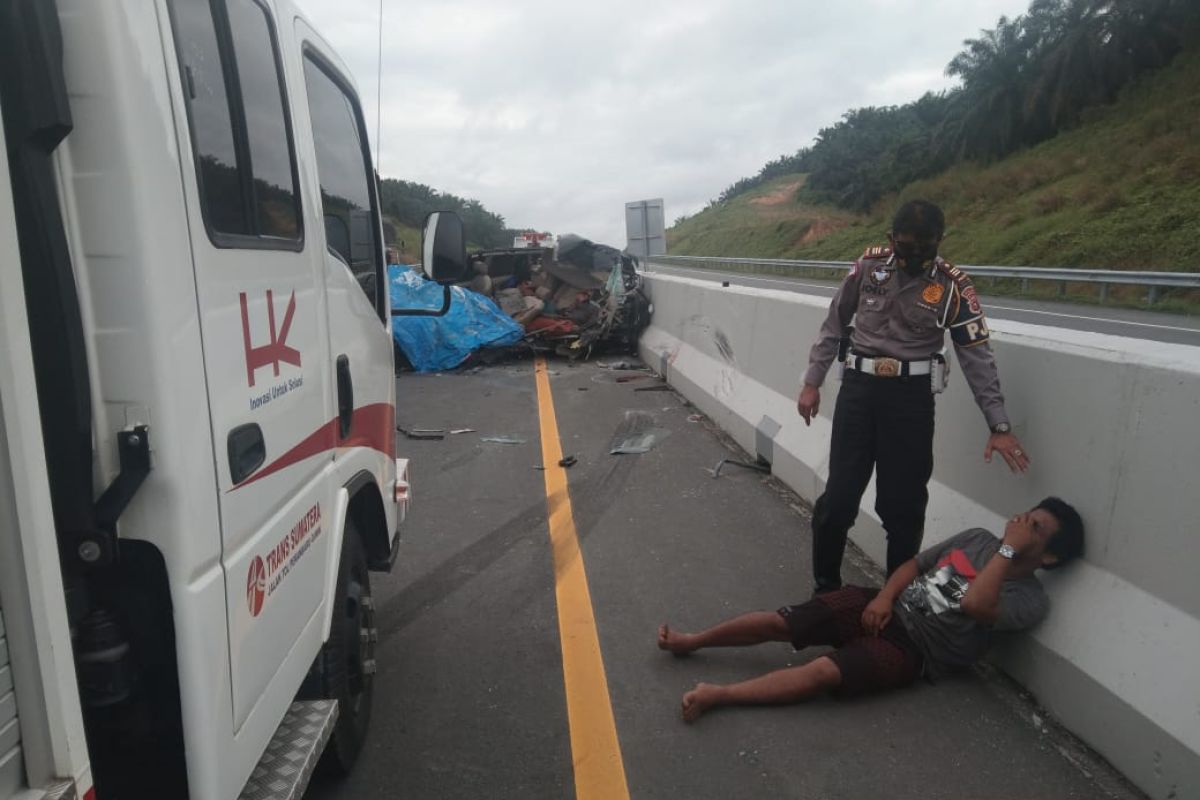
pixel 645 228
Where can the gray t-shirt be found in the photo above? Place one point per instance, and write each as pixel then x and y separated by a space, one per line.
pixel 930 609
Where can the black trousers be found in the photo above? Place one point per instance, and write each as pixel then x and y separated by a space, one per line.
pixel 885 425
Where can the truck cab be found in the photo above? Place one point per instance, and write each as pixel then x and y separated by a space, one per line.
pixel 208 370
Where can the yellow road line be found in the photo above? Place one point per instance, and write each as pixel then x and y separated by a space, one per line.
pixel 595 751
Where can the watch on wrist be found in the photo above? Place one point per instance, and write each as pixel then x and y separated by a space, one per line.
pixel 1001 427
pixel 1007 551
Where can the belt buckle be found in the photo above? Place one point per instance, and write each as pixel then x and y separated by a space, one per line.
pixel 887 367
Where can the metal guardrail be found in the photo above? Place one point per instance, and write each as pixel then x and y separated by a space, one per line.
pixel 1061 275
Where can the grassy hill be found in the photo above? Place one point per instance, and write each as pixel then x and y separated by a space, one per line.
pixel 1120 191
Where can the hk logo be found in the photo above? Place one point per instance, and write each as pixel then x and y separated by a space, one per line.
pixel 276 348
pixel 256 586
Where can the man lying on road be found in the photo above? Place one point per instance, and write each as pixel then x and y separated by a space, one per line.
pixel 936 614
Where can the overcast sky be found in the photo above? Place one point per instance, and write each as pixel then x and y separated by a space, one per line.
pixel 554 113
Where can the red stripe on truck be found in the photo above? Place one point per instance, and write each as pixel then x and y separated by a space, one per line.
pixel 372 426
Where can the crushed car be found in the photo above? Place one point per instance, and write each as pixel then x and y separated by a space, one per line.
pixel 576 299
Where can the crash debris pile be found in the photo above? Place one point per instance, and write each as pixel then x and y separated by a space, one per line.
pixel 577 299
pixel 573 299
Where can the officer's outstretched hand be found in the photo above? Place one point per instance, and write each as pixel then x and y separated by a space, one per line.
pixel 1007 445
pixel 809 403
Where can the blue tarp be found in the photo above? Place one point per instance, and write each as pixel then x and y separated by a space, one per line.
pixel 433 343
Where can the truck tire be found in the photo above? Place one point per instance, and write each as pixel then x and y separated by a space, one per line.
pixel 344 670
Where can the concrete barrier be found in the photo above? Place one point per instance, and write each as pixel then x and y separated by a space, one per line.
pixel 1112 425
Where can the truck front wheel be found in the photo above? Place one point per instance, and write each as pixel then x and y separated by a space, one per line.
pixel 345 668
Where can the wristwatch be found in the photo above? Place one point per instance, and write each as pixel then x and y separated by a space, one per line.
pixel 1001 427
pixel 1007 551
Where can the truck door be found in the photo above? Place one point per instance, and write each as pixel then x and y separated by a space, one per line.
pixel 356 287
pixel 264 332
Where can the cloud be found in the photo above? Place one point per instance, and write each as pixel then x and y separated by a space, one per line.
pixel 554 113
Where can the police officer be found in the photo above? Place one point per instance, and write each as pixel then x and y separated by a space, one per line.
pixel 902 299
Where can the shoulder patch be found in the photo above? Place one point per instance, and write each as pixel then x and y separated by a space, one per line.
pixel 965 290
pixel 879 251
pixel 956 274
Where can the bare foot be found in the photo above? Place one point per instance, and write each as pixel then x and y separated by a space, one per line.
pixel 679 644
pixel 700 699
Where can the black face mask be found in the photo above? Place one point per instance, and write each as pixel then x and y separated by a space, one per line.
pixel 914 255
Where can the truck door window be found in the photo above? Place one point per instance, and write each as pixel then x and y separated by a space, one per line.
pixel 344 169
pixel 266 121
pixel 245 159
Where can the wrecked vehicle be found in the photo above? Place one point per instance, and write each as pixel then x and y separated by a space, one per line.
pixel 579 298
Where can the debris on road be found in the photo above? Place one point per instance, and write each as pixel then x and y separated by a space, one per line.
pixel 457 431
pixel 638 433
pixel 423 433
pixel 504 439
pixel 569 461
pixel 756 466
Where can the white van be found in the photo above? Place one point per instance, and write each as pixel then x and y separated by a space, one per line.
pixel 197 399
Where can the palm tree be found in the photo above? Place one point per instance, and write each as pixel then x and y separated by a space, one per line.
pixel 1146 34
pixel 988 114
pixel 1069 42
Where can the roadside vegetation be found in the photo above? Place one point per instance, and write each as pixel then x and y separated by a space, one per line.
pixel 1070 143
pixel 406 204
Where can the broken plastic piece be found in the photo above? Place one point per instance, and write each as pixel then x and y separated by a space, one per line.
pixel 505 439
pixel 461 430
pixel 569 461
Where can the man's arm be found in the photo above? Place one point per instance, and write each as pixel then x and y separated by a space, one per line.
pixel 879 611
pixel 982 600
pixel 971 337
pixel 841 311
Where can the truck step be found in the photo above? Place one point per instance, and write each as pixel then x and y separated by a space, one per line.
pixel 284 769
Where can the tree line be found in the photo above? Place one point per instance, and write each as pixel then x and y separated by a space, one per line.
pixel 1022 82
pixel 409 203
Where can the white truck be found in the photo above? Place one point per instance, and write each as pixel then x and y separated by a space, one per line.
pixel 197 404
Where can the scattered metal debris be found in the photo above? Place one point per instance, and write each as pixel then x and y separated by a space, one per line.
pixel 622 365
pixel 756 466
pixel 502 439
pixel 457 431
pixel 421 433
pixel 569 461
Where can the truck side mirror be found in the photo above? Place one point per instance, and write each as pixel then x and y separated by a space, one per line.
pixel 444 258
pixel 443 247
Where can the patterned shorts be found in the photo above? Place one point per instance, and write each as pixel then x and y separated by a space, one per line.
pixel 867 663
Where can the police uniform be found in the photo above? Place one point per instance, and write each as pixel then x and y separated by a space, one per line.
pixel 883 419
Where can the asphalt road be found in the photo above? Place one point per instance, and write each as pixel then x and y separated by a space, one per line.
pixel 1155 326
pixel 470 699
